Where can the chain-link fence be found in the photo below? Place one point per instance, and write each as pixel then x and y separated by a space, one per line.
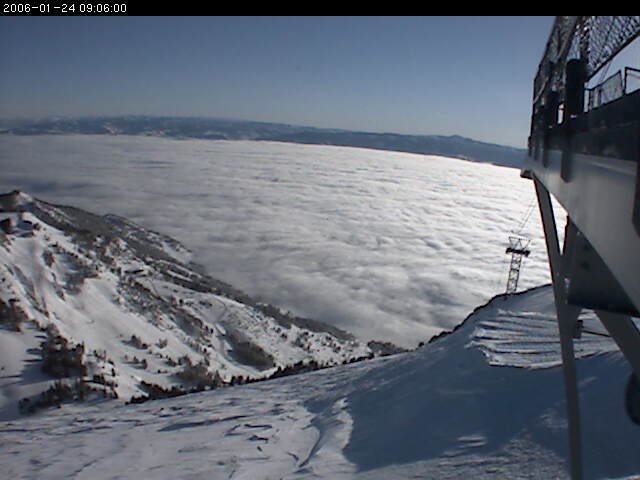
pixel 595 39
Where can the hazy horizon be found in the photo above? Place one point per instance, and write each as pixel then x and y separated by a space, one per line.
pixel 467 76
pixel 18 121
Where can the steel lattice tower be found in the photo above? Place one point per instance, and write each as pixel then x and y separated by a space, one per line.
pixel 518 248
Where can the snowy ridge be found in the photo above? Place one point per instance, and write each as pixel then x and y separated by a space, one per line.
pixel 103 299
pixel 443 411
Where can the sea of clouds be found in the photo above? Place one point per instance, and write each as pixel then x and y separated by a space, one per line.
pixel 390 246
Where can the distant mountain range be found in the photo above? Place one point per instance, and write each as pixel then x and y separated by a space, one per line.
pixel 221 129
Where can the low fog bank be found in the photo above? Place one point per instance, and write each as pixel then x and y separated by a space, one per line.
pixel 390 246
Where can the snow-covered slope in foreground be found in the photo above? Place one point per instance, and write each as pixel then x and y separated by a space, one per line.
pixel 457 408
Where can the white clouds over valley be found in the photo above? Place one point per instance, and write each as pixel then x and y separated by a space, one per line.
pixel 391 246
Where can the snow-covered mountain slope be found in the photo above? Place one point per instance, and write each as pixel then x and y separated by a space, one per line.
pixel 101 298
pixel 484 402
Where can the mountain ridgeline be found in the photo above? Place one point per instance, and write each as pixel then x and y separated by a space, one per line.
pixel 220 129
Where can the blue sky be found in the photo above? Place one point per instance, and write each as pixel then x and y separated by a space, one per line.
pixel 470 76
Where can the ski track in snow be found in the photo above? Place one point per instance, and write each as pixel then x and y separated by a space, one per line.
pixel 450 410
pixel 390 246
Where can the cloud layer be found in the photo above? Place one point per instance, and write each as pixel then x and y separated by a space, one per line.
pixel 391 246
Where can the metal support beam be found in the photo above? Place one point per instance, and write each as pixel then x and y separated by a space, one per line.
pixel 567 318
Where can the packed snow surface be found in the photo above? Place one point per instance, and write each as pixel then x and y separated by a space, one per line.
pixel 457 408
pixel 389 246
